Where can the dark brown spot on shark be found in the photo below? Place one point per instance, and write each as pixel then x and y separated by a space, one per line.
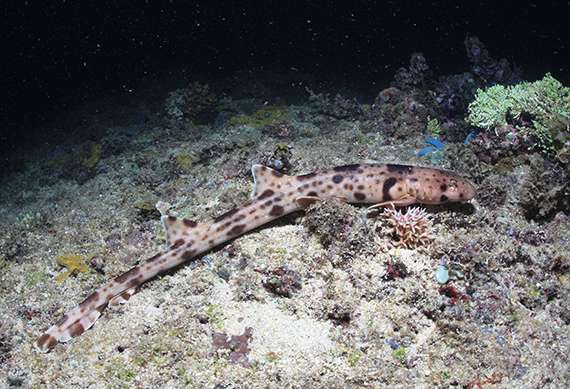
pixel 266 193
pixel 232 212
pixel 189 223
pixel 172 218
pixel 388 184
pixel 277 210
pixel 94 297
pixel 276 173
pixel 337 178
pixel 346 168
pixel 188 254
pixel 306 176
pixel 76 329
pixel 359 196
pixel 312 193
pixel 360 187
pixel 443 199
pixel 398 168
pixel 443 187
pixel 236 230
pixel 46 342
pixel 348 186
pixel 178 243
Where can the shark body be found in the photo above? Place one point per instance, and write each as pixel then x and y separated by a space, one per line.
pixel 274 195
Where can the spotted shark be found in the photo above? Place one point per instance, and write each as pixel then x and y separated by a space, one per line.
pixel 275 195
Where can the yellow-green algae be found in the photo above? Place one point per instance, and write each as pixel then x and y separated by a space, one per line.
pixel 72 262
pixel 262 117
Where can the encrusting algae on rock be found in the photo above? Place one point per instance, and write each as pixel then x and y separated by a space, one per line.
pixel 72 262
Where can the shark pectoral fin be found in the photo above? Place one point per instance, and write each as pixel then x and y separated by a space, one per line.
pixel 401 202
pixel 122 298
pixel 305 201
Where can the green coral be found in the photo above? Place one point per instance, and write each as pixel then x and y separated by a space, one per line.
pixel 433 127
pixel 262 117
pixel 546 103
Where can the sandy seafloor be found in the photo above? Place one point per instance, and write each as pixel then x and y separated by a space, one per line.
pixel 356 312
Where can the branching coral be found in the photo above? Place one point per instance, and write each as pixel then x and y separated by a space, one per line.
pixel 412 229
pixel 541 109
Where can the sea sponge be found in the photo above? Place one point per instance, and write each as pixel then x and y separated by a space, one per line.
pixel 411 229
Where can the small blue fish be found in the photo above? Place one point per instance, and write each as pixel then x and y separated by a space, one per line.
pixel 437 144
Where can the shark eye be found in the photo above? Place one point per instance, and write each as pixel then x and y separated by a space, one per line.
pixel 453 182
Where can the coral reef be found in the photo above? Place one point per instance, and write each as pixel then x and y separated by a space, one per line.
pixel 339 108
pixel 544 189
pixel 455 92
pixel 192 103
pixel 487 69
pixel 320 298
pixel 403 114
pixel 415 75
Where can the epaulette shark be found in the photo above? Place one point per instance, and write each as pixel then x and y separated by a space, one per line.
pixel 275 195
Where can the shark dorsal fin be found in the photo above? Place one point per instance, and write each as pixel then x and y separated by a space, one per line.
pixel 177 228
pixel 264 178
